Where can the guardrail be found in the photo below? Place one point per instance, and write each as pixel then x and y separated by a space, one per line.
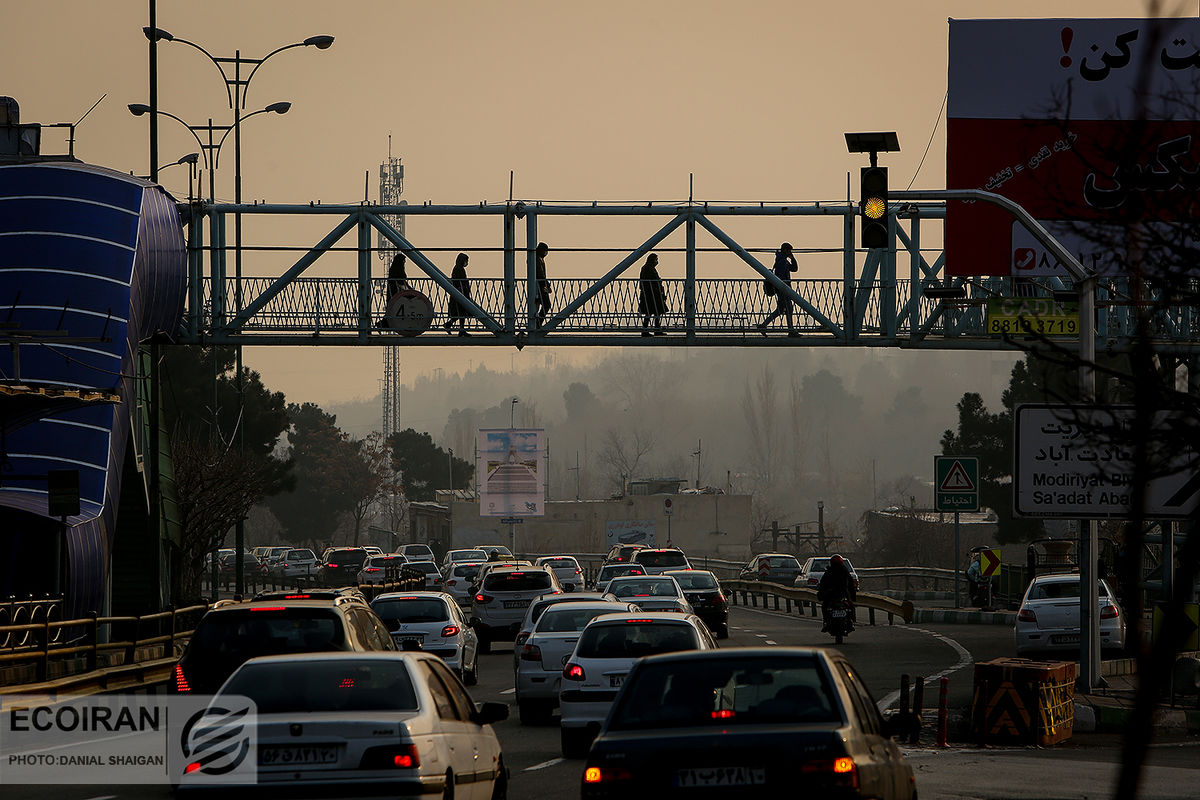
pixel 907 576
pixel 803 598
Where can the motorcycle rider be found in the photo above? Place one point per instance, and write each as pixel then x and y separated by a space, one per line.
pixel 836 584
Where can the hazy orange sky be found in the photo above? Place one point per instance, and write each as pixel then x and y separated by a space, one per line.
pixel 618 100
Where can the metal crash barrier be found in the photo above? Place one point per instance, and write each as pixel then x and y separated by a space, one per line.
pixel 784 597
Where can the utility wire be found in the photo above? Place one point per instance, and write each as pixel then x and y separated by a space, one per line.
pixel 932 133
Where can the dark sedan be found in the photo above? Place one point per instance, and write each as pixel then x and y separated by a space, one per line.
pixel 341 566
pixel 703 591
pixel 752 722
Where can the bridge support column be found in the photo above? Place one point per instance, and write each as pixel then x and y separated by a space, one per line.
pixel 689 285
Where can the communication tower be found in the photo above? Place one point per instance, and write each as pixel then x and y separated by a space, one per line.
pixel 391 187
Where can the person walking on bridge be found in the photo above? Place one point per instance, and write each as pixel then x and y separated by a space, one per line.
pixel 543 284
pixel 785 265
pixel 455 309
pixel 653 302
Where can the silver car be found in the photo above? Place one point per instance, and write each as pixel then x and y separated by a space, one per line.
pixel 499 605
pixel 1048 619
pixel 566 569
pixel 299 562
pixel 458 580
pixel 610 571
pixel 650 593
pixel 433 623
pixel 546 650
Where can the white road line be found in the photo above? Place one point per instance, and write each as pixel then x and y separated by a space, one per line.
pixel 761 635
pixel 770 641
pixel 964 660
pixel 510 691
pixel 544 764
pixel 104 797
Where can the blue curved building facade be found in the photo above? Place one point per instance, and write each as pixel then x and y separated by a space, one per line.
pixel 92 263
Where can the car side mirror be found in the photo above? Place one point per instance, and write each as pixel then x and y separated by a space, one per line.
pixel 490 713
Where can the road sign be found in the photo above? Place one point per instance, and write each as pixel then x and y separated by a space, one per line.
pixel 1032 316
pixel 989 562
pixel 956 484
pixel 511 520
pixel 668 507
pixel 1078 461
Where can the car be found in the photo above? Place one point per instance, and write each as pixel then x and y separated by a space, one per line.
pixel 297 562
pixel 489 550
pixel 603 656
pixel 417 552
pixel 703 592
pixel 433 576
pixel 431 622
pixel 615 570
pixel 462 556
pixel 260 552
pixel 537 608
pixel 747 722
pixel 772 567
pixel 381 569
pixel 622 553
pixel 650 593
pixel 458 579
pixel 660 559
pixel 543 653
pixel 373 550
pixel 814 568
pixel 228 563
pixel 340 565
pixel 566 568
pixel 379 724
pixel 1048 618
pixel 498 606
pixel 489 566
pixel 274 623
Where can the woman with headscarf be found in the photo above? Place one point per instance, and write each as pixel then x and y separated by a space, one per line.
pixel 653 302
pixel 456 310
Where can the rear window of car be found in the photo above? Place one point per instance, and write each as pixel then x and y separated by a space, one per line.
pixel 617 570
pixel 1054 590
pixel 634 639
pixel 348 557
pixel 466 571
pixel 342 685
pixel 517 581
pixel 650 587
pixel 776 562
pixel 387 561
pixel 250 632
pixel 567 620
pixel 726 692
pixel 427 567
pixel 299 554
pixel 411 609
pixel 654 558
pixel 559 563
pixel 696 580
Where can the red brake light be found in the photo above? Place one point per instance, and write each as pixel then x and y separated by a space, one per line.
pixel 843 769
pixel 720 599
pixel 578 572
pixel 332 565
pixel 452 583
pixel 572 672
pixel 450 630
pixel 181 684
pixel 372 569
pixel 269 608
pixel 724 713
pixel 408 758
pixel 296 596
pixel 482 598
pixel 602 774
pixel 531 652
pixel 640 620
pixel 1109 612
pixel 1027 615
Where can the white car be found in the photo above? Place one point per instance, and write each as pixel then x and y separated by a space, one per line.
pixel 433 576
pixel 417 552
pixel 373 550
pixel 503 596
pixel 546 650
pixel 814 568
pixel 458 579
pixel 537 607
pixel 610 571
pixel 462 556
pixel 342 724
pixel 297 562
pixel 602 658
pixel 381 569
pixel 650 593
pixel 657 560
pixel 431 622
pixel 1048 619
pixel 566 568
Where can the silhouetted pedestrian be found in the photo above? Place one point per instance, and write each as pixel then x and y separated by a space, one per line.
pixel 456 310
pixel 785 265
pixel 397 280
pixel 543 284
pixel 653 302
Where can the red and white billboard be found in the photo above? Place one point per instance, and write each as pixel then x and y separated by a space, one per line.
pixel 1093 126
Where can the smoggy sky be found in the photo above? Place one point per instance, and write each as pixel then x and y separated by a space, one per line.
pixel 611 101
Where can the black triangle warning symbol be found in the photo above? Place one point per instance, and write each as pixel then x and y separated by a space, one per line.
pixel 957 480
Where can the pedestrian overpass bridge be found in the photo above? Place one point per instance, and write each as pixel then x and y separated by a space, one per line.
pixel 889 297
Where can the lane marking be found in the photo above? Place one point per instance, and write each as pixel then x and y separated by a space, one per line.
pixel 510 691
pixel 761 635
pixel 964 660
pixel 770 641
pixel 544 764
pixel 104 797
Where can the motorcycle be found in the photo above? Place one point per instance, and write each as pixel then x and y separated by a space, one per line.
pixel 841 619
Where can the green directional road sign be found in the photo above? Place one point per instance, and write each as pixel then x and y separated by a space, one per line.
pixel 956 483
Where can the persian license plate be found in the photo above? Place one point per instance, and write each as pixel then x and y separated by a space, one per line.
pixel 516 604
pixel 720 776
pixel 316 754
pixel 1065 638
pixel 615 681
pixel 401 638
pixel 838 612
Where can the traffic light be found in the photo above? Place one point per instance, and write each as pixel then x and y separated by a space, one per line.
pixel 873 204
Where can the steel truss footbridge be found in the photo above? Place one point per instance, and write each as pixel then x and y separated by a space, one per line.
pixel 897 296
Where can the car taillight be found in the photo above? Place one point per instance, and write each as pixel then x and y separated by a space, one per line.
pixel 1026 615
pixel 720 599
pixel 603 774
pixel 452 583
pixel 813 582
pixel 531 652
pixel 450 630
pixel 403 756
pixel 372 569
pixel 1109 612
pixel 181 684
pixel 483 598
pixel 573 672
pixel 723 713
pixel 843 769
pixel 285 566
pixel 334 566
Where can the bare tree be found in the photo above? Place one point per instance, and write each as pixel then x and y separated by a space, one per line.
pixel 622 453
pixel 759 407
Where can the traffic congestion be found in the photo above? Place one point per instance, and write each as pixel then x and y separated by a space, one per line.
pixel 368 671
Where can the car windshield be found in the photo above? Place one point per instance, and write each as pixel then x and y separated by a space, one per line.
pixel 777 562
pixel 566 620
pixel 468 555
pixel 696 580
pixel 411 609
pixel 559 563
pixel 635 638
pixel 314 686
pixel 427 567
pixel 240 634
pixel 520 581
pixel 726 691
pixel 650 587
pixel 818 565
pixel 652 558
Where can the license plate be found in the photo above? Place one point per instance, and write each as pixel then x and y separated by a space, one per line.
pixel 838 612
pixel 1065 638
pixel 516 604
pixel 317 754
pixel 721 776
pixel 615 681
pixel 400 639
